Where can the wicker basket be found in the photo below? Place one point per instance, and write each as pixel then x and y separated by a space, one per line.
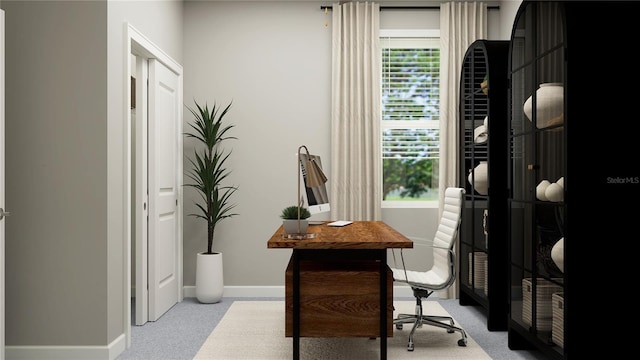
pixel 545 289
pixel 557 323
pixel 486 277
pixel 477 269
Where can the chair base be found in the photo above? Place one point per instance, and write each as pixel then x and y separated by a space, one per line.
pixel 418 319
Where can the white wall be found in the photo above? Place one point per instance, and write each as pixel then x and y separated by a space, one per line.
pixel 65 161
pixel 55 173
pixel 273 59
pixel 508 10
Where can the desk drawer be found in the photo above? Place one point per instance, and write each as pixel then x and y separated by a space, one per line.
pixel 338 299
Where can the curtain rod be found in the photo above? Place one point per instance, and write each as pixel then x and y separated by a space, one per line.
pixel 426 7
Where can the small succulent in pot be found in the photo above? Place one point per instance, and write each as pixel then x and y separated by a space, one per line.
pixel 291 213
pixel 290 222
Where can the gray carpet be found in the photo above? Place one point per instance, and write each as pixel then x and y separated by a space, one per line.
pixel 180 333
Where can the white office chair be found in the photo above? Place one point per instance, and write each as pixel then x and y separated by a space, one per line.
pixel 441 274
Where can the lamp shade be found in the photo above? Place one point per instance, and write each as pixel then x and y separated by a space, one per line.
pixel 315 176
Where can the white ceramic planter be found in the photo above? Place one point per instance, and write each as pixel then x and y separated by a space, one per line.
pixel 291 226
pixel 209 278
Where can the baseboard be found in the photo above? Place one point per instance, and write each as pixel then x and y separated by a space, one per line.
pixel 400 291
pixel 109 352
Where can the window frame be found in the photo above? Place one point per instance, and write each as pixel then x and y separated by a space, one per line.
pixel 433 37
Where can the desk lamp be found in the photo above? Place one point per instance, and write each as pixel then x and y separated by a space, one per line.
pixel 315 177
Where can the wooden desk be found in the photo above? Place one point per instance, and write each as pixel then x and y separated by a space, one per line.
pixel 348 255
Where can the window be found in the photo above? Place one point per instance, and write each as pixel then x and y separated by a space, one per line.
pixel 410 118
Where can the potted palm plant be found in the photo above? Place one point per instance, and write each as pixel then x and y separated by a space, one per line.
pixel 208 173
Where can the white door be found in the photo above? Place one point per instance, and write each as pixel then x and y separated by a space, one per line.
pixel 164 117
pixel 2 204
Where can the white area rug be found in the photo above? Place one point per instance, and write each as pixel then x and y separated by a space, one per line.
pixel 254 330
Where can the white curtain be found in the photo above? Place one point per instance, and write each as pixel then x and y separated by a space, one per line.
pixel 356 165
pixel 461 23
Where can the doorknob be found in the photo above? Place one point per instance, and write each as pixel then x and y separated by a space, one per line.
pixel 3 213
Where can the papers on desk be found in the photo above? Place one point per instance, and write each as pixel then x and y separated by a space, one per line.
pixel 340 223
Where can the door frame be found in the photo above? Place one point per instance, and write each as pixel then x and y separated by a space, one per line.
pixel 139 45
pixel 140 173
pixel 2 187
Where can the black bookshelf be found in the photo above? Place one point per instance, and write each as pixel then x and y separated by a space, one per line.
pixel 483 139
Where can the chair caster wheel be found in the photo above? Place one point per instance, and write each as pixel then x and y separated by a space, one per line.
pixel 450 331
pixel 462 342
pixel 399 326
